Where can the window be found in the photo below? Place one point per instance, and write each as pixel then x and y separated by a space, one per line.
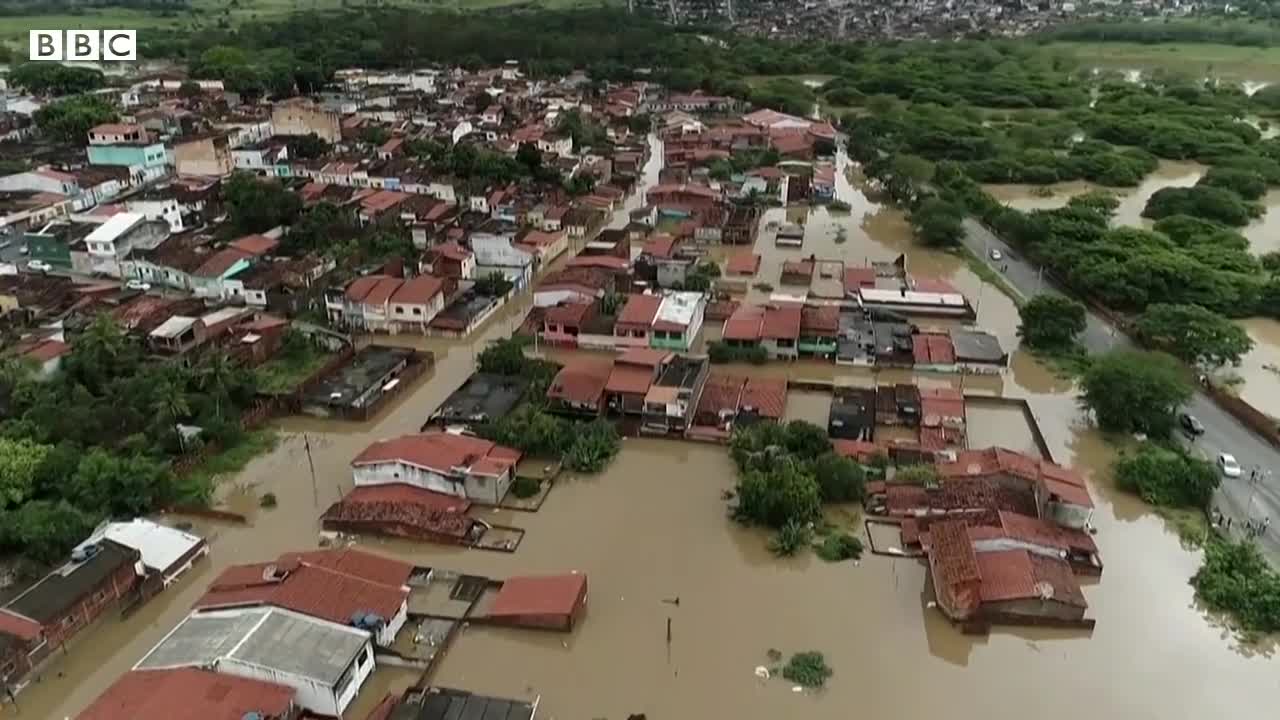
pixel 417 311
pixel 362 659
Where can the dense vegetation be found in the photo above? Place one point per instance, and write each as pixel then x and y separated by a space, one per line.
pixel 1192 334
pixel 1051 322
pixel 785 474
pixel 96 439
pixel 1236 579
pixel 1135 392
pixel 1167 477
pixel 69 120
pixel 583 446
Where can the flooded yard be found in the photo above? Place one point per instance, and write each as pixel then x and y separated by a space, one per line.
pixel 990 423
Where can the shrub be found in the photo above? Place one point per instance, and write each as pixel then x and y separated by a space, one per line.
pixel 839 478
pixel 525 487
pixel 809 669
pixel 268 500
pixel 1237 580
pixel 923 475
pixel 840 546
pixel 1168 478
pixel 790 538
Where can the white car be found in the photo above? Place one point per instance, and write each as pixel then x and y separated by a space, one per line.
pixel 39 266
pixel 1228 466
pixel 137 284
pixel 996 254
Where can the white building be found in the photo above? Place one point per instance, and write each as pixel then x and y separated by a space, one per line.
pixel 326 663
pixel 446 463
pixel 166 552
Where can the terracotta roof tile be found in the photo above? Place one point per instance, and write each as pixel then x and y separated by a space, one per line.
pixel 746 323
pixel 418 291
pixel 640 310
pixel 255 244
pixel 743 263
pixel 781 322
pixel 437 451
pixel 766 396
pixel 568 314
pixel 540 595
pixel 188 694
pixel 581 382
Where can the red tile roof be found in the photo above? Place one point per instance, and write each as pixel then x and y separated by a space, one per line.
pixel 540 595
pixel 1039 532
pixel 255 244
pixel 821 320
pixel 648 357
pixel 382 292
pixel 687 189
pixel 1020 575
pixel 746 323
pixel 188 694
pixel 540 239
pixel 781 321
pixel 115 129
pixel 361 287
pixel 766 396
pixel 952 552
pixel 327 589
pixel 937 404
pixel 797 268
pixel 404 505
pixel 452 251
pixel 436 451
pixel 581 382
pixel 570 314
pixel 418 291
pixel 859 450
pixel 933 349
pixel 220 262
pixel 46 350
pixel 23 628
pixel 660 245
pixel 721 394
pixel 1061 482
pixel 856 278
pixel 608 262
pixel 640 310
pixel 743 263
pixel 629 379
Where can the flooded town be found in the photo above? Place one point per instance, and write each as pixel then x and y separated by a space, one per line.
pixel 394 551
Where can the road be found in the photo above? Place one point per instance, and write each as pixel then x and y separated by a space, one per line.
pixel 1239 498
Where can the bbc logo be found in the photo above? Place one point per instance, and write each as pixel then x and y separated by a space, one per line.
pixel 93 45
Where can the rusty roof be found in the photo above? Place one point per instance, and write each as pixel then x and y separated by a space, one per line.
pixel 640 310
pixel 582 382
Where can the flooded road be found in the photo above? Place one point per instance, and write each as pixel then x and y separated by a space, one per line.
pixel 1259 386
pixel 654 527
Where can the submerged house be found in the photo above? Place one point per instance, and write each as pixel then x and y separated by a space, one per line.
pixel 447 463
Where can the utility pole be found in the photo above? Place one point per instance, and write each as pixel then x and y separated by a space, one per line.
pixel 315 492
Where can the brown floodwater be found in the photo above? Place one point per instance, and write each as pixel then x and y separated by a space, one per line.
pixel 654 527
pixel 1260 386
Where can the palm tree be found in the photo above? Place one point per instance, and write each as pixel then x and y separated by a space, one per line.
pixel 215 377
pixel 169 401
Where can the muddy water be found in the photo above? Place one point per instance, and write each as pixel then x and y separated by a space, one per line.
pixel 1132 200
pixel 654 527
pixel 1260 387
pixel 993 424
pixel 814 407
pixel 1260 369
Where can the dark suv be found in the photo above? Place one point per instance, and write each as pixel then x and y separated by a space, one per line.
pixel 1191 424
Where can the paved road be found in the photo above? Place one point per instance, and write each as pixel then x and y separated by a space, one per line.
pixel 1238 498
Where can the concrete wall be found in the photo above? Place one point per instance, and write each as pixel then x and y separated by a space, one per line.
pixel 487 489
pixel 392 472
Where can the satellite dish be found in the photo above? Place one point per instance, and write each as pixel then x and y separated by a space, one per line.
pixel 1044 590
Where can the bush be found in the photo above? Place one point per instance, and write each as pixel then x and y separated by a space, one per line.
pixel 1236 579
pixel 790 539
pixel 839 478
pixel 721 353
pixel 525 487
pixel 809 669
pixel 922 475
pixel 1167 478
pixel 776 496
pixel 268 500
pixel 594 444
pixel 841 546
pixel 1051 322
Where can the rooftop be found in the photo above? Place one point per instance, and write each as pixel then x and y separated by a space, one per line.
pixel 276 640
pixel 436 451
pixel 188 694
pixel 581 382
pixel 58 591
pixel 161 546
pixel 483 396
pixel 538 595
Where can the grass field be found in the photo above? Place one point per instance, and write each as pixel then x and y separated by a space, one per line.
pixel 1231 62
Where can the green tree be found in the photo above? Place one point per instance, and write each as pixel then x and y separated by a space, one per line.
pixel 1139 392
pixel 777 496
pixel 45 78
pixel 70 120
pixel 216 375
pixel 1235 578
pixel 1193 334
pixel 1204 201
pixel 256 206
pixel 305 147
pixel 504 357
pixel 1248 184
pixel 938 223
pixel 1051 322
pixel 45 530
pixel 19 463
pixel 1165 477
pixel 839 478
pixel 121 485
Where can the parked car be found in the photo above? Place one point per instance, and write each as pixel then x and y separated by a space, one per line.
pixel 1228 466
pixel 996 254
pixel 136 284
pixel 1191 424
pixel 39 266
